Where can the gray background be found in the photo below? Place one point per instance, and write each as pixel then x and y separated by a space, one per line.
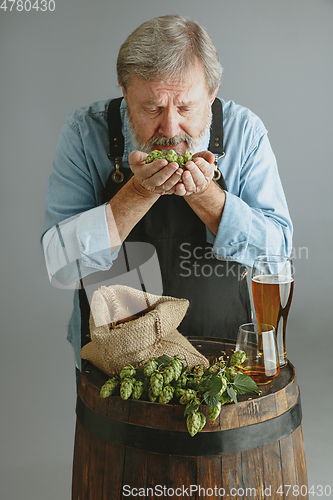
pixel 277 60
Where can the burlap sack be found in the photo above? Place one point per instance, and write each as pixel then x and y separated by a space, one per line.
pixel 114 345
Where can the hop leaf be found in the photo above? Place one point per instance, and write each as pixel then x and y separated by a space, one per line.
pixel 243 383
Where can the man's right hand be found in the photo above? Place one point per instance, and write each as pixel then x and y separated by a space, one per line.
pixel 158 177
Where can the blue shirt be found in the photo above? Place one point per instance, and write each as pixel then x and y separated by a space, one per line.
pixel 75 235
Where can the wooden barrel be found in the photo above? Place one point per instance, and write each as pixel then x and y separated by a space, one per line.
pixel 128 449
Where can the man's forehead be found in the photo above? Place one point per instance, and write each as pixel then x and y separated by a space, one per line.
pixel 187 91
pixel 192 77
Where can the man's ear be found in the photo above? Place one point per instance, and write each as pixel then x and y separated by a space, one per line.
pixel 214 94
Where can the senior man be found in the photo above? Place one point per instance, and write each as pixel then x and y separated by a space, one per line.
pixel 206 221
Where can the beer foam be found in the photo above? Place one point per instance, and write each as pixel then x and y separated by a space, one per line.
pixel 273 279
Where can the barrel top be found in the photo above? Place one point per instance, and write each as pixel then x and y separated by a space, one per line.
pixel 275 398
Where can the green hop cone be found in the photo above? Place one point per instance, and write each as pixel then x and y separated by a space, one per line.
pixel 188 395
pixel 149 367
pixel 232 371
pixel 224 383
pixel 213 413
pixel 109 387
pixel 192 383
pixel 225 398
pixel 183 380
pixel 237 358
pixel 137 389
pixel 195 422
pixel 154 155
pixel 215 367
pixel 168 375
pixel 179 392
pixel 171 156
pixel 184 158
pixel 203 421
pixel 194 403
pixel 126 388
pixel 127 372
pixel 166 394
pixel 151 396
pixel 187 155
pixel 181 162
pixel 177 367
pixel 156 383
pixel 198 371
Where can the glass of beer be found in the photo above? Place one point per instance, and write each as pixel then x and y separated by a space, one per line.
pixel 258 341
pixel 272 291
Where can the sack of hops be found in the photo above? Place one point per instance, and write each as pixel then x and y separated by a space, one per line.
pixel 119 337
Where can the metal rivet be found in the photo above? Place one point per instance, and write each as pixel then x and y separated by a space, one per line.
pixel 216 138
pixel 217 144
pixel 115 139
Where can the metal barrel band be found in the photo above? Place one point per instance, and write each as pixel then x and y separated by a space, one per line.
pixel 170 442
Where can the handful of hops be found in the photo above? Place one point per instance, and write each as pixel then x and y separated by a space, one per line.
pixel 170 156
pixel 170 380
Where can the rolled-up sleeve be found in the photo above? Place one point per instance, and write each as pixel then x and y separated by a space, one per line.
pixel 255 220
pixel 77 247
pixel 75 236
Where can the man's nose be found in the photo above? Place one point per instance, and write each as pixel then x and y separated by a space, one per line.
pixel 169 126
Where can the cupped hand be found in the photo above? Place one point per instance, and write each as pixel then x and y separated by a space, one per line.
pixel 158 177
pixel 198 174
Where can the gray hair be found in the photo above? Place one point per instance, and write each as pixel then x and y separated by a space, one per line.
pixel 168 46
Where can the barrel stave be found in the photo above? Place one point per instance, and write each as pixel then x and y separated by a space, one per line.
pixel 114 461
pixel 210 473
pixel 273 477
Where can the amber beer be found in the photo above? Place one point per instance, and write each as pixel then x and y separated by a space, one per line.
pixel 261 374
pixel 272 295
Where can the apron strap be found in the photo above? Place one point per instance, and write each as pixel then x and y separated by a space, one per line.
pixel 116 138
pixel 119 176
pixel 216 131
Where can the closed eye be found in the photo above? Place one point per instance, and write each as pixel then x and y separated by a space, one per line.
pixel 152 110
pixel 184 109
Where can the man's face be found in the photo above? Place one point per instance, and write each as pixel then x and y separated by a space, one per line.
pixel 169 114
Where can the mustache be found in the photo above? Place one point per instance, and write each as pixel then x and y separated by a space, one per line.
pixel 170 141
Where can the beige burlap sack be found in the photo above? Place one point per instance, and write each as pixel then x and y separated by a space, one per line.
pixel 114 345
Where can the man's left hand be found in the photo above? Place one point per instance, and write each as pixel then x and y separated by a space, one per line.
pixel 197 176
